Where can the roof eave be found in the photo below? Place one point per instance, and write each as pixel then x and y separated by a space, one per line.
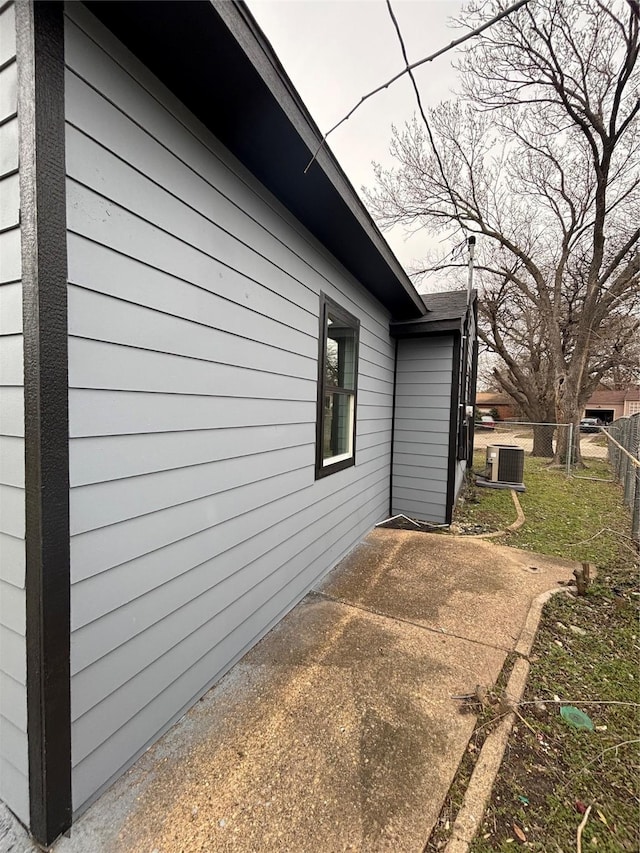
pixel 257 101
pixel 424 328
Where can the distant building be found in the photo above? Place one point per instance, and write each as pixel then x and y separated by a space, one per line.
pixel 611 405
pixel 487 401
pixel 603 403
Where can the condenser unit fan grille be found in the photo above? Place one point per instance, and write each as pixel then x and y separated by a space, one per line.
pixel 510 464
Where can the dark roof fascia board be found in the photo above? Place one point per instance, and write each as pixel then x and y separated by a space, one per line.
pixel 264 59
pixel 425 328
pixel 230 78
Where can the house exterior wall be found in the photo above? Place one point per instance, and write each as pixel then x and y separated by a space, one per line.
pixel 421 430
pixel 14 765
pixel 196 521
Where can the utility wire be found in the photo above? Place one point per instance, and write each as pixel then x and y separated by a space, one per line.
pixel 424 117
pixel 409 68
pixel 451 255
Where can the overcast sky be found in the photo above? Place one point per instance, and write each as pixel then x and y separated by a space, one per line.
pixel 335 51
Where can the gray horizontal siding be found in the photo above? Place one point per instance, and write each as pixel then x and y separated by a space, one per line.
pixel 12 656
pixel 97 596
pixel 11 410
pixel 11 309
pixel 193 320
pixel 113 412
pixel 428 432
pixel 12 461
pixel 14 786
pixel 460 469
pixel 150 453
pixel 10 248
pixel 161 615
pixel 103 504
pixel 13 559
pixel 214 659
pixel 420 469
pixel 12 511
pixel 421 434
pixel 258 339
pixel 16 709
pixel 97 365
pixel 9 200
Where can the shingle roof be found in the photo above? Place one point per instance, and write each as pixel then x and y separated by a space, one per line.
pixel 446 312
pixel 498 397
pixel 602 395
pixel 447 305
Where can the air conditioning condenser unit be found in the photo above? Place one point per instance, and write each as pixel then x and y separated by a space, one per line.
pixel 505 464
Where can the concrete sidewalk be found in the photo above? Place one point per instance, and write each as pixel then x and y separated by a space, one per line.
pixel 338 731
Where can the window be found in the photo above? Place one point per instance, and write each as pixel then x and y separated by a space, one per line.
pixel 337 388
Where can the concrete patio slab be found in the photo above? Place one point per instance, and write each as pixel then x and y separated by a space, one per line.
pixel 332 735
pixel 338 731
pixel 465 587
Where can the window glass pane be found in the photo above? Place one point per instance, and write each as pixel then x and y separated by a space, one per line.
pixel 338 423
pixel 340 364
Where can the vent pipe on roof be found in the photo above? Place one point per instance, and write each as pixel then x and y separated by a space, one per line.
pixel 471 242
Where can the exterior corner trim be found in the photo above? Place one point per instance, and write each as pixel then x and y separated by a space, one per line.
pixel 41 117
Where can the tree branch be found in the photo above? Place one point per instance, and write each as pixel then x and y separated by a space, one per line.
pixel 408 68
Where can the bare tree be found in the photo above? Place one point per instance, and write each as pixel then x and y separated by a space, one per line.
pixel 540 155
pixel 510 328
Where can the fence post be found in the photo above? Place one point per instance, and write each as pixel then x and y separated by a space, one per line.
pixel 635 511
pixel 616 452
pixel 629 480
pixel 622 438
pixel 569 450
pixel 635 495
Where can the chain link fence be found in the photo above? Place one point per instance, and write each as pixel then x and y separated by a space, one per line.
pixel 535 439
pixel 618 444
pixel 623 440
pixel 540 439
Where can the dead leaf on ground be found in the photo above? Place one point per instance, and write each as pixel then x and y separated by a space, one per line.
pixel 519 834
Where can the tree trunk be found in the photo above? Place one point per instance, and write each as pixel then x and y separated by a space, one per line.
pixel 568 409
pixel 543 440
pixel 562 446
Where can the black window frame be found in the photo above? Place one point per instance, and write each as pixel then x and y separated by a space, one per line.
pixel 329 306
